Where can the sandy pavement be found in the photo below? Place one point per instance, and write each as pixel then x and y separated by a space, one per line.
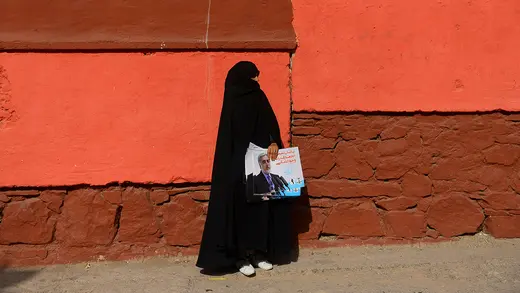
pixel 471 264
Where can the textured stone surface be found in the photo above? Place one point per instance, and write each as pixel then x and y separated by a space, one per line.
pixel 405 224
pixel 27 221
pixel 181 190
pixel 23 193
pixel 322 202
pixel 349 219
pixel 501 201
pixel 23 256
pixel 138 221
pixel 313 143
pixel 86 219
pixel 424 204
pixel 347 188
pixel 416 185
pixel 306 130
pixel 452 168
pixel 182 221
pixel 454 214
pixel 395 167
pixel 398 203
pixel 113 196
pixel 313 229
pixel 351 164
pixel 503 226
pixel 317 163
pixel 443 186
pixel 494 177
pixel 200 195
pixel 392 147
pixel 159 196
pixel 4 198
pixel 53 199
pixel 502 154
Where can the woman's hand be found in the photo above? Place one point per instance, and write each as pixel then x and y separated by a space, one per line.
pixel 272 151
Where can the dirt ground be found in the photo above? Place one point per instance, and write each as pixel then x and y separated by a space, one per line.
pixel 472 264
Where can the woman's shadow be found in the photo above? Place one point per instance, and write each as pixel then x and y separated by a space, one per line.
pixel 11 277
pixel 302 218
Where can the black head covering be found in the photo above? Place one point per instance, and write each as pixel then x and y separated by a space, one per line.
pixel 246 98
pixel 241 74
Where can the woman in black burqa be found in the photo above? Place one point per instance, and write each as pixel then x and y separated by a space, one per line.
pixel 238 233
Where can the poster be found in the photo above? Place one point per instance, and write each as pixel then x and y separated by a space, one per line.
pixel 270 180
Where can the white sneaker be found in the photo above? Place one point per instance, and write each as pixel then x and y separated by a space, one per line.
pixel 246 268
pixel 264 265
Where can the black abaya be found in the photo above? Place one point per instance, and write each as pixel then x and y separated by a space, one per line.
pixel 234 226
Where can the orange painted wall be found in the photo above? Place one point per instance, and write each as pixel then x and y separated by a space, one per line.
pixel 407 55
pixel 100 118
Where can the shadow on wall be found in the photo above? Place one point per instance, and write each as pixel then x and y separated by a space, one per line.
pixel 301 220
pixel 12 277
pixel 302 216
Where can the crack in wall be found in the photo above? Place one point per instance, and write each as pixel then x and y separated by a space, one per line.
pixel 208 18
pixel 291 59
pixel 117 222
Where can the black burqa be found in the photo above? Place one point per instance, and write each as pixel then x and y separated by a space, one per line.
pixel 234 226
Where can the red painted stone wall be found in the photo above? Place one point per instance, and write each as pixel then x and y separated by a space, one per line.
pixel 410 175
